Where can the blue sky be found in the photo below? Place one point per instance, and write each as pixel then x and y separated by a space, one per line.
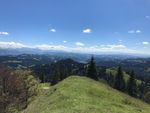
pixel 76 25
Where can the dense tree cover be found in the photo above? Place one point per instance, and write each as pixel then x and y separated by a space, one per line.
pixel 145 91
pixel 58 71
pixel 147 97
pixel 16 89
pixel 92 71
pixel 132 85
pixel 119 80
pixel 128 63
pixel 43 72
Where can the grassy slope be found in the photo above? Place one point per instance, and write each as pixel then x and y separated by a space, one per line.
pixel 83 95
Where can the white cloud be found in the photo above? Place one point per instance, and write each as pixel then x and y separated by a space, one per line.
pixel 147 17
pixel 138 31
pixel 145 43
pixel 120 46
pixel 79 44
pixel 12 45
pixel 53 30
pixel 4 33
pixel 134 31
pixel 87 30
pixel 64 41
pixel 131 31
pixel 50 47
pixel 103 48
pixel 15 45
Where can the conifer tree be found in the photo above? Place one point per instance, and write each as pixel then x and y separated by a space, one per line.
pixel 131 85
pixel 119 80
pixel 55 77
pixel 141 89
pixel 111 79
pixel 92 71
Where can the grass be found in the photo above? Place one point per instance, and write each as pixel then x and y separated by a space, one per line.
pixel 83 95
pixel 44 86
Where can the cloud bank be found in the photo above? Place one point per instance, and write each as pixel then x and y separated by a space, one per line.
pixel 135 31
pixel 80 47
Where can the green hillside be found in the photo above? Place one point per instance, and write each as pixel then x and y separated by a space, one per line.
pixel 83 95
pixel 126 76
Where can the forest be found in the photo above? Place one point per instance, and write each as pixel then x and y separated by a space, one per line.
pixel 20 86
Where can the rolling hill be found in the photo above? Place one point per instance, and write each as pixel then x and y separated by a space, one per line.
pixel 83 95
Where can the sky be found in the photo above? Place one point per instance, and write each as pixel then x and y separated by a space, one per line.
pixel 86 26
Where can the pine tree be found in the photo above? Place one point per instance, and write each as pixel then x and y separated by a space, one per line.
pixel 131 85
pixel 110 79
pixel 92 71
pixel 119 80
pixel 141 89
pixel 102 73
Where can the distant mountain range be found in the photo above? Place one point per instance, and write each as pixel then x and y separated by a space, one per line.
pixel 26 58
pixel 19 51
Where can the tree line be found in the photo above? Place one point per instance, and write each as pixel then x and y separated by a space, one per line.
pixel 60 70
pixel 130 85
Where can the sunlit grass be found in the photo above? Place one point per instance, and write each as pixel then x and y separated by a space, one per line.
pixel 83 95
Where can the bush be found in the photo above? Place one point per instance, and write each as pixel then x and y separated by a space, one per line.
pixel 147 97
pixel 16 89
